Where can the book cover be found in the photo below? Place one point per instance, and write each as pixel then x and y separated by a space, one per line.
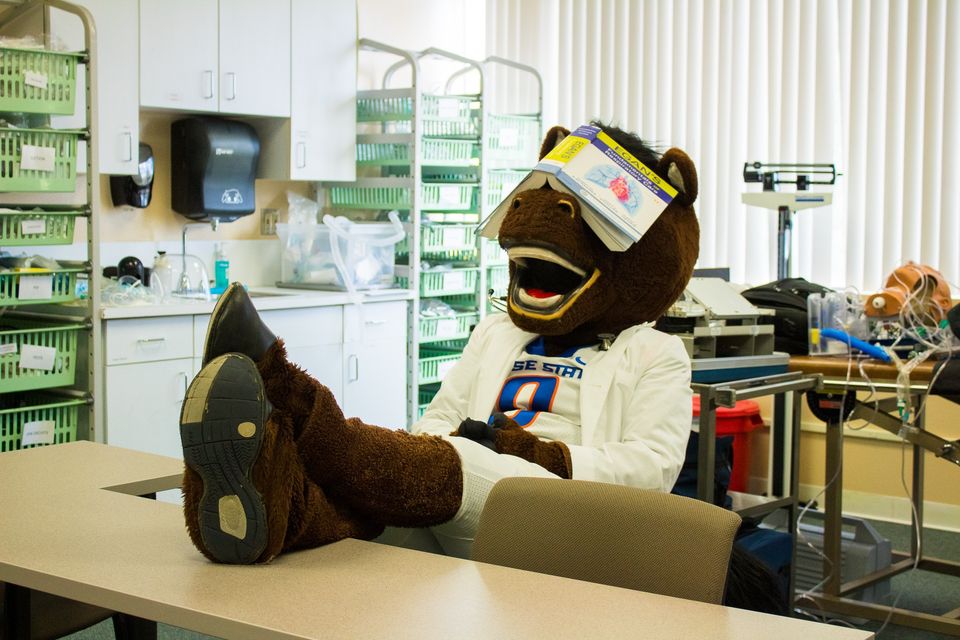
pixel 622 196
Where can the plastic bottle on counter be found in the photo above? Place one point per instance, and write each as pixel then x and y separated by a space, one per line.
pixel 221 270
pixel 161 276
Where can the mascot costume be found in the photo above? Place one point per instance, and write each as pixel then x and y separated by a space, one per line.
pixel 573 382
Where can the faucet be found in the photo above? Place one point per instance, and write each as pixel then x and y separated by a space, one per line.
pixel 183 285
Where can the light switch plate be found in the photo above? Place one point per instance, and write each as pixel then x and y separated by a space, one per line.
pixel 268 222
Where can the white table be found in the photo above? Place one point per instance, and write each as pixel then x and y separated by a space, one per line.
pixel 63 533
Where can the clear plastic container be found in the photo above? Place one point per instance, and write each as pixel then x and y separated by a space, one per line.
pixel 339 254
pixel 833 310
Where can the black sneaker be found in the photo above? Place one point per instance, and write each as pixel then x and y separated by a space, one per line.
pixel 221 429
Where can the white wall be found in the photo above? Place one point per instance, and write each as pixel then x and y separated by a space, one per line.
pixel 457 26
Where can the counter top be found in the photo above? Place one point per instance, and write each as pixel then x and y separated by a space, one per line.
pixel 264 298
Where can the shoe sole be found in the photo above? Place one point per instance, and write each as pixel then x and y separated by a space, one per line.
pixel 221 429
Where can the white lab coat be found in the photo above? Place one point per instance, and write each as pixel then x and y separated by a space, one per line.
pixel 635 401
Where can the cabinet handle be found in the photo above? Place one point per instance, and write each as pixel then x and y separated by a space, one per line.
pixel 353 368
pixel 208 84
pixel 301 155
pixel 186 386
pixel 128 156
pixel 232 77
pixel 146 341
pixel 374 323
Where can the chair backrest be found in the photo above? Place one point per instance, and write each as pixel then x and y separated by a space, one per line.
pixel 607 533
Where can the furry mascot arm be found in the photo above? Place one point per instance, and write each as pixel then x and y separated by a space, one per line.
pixel 507 437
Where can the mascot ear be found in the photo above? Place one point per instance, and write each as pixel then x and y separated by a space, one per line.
pixel 554 137
pixel 680 172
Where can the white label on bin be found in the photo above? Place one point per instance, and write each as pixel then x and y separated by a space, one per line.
pixel 38 432
pixel 509 138
pixel 448 107
pixel 35 79
pixel 37 158
pixel 34 357
pixel 10 347
pixel 444 368
pixel 449 194
pixel 35 287
pixel 455 237
pixel 30 227
pixel 447 327
pixel 454 280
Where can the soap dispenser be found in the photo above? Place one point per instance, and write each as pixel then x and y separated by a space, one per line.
pixel 221 270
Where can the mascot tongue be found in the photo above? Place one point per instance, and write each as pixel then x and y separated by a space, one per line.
pixel 540 293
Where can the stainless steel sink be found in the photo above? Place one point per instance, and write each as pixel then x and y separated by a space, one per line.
pixel 265 294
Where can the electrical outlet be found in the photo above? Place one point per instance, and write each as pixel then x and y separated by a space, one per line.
pixel 268 222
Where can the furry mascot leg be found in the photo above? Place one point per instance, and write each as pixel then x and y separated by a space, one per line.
pixel 246 495
pixel 384 476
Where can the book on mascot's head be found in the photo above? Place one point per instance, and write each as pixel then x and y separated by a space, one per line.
pixel 620 196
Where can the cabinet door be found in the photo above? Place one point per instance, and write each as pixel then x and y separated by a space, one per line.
pixel 116 70
pixel 375 363
pixel 143 403
pixel 178 54
pixel 323 108
pixel 255 56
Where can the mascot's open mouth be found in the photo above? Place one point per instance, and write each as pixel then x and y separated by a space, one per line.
pixel 546 282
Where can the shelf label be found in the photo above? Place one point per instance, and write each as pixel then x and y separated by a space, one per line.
pixel 509 138
pixel 35 287
pixel 449 195
pixel 447 327
pixel 448 107
pixel 454 237
pixel 10 347
pixel 443 368
pixel 38 432
pixel 35 79
pixel 32 227
pixel 34 357
pixel 37 158
pixel 454 280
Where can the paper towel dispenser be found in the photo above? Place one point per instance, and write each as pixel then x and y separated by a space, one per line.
pixel 213 168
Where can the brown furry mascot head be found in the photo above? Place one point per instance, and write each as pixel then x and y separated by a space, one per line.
pixel 566 284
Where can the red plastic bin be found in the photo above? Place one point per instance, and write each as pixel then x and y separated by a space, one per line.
pixel 738 421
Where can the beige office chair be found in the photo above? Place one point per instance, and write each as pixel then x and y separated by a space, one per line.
pixel 608 533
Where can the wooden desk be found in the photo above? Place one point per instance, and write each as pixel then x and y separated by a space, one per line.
pixel 841 378
pixel 63 534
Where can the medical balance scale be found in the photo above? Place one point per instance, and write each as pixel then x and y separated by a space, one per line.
pixel 771 175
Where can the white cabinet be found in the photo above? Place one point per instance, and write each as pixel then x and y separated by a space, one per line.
pixel 374 363
pixel 359 352
pixel 318 142
pixel 149 365
pixel 227 56
pixel 116 71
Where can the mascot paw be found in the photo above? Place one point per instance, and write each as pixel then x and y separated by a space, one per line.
pixel 477 431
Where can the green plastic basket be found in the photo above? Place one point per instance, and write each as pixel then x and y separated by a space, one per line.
pixel 446 242
pixel 500 182
pixel 38 81
pixel 446 197
pixel 50 409
pixel 512 140
pixel 434 365
pixel 16 334
pixel 493 253
pixel 448 283
pixel 437 152
pixel 456 327
pixel 37 228
pixel 425 396
pixel 60 146
pixel 63 286
pixel 498 279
